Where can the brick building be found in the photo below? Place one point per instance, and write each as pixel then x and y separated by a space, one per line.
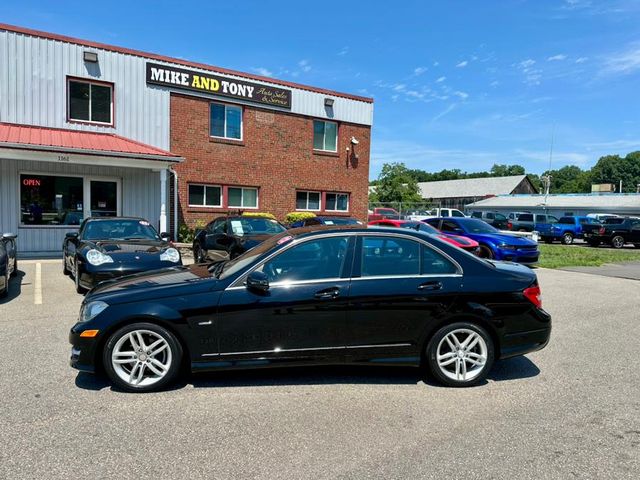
pixel 89 129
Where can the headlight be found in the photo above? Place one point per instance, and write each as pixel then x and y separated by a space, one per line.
pixel 94 257
pixel 508 247
pixel 91 309
pixel 170 255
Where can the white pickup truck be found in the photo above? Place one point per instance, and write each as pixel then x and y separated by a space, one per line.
pixel 435 213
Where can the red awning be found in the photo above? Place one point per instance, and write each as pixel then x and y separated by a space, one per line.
pixel 74 141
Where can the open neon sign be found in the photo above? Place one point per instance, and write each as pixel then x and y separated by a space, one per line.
pixel 31 182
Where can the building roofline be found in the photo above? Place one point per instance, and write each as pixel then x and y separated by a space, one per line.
pixel 162 58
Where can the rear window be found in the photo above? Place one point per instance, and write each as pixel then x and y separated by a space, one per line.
pixel 614 221
pixel 476 214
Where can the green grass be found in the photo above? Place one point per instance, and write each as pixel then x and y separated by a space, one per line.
pixel 558 256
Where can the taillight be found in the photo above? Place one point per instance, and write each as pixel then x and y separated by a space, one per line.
pixel 509 226
pixel 601 231
pixel 534 295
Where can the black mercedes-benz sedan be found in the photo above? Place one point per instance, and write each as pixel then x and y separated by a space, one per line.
pixel 320 295
pixel 109 247
pixel 227 237
pixel 8 261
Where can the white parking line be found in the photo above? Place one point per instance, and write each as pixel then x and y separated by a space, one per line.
pixel 37 289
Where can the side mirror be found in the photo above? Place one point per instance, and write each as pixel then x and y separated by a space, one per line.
pixel 165 236
pixel 258 281
pixel 9 236
pixel 71 235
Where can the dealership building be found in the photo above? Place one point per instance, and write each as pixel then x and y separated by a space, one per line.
pixel 88 129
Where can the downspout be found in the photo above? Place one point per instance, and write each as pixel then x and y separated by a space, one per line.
pixel 175 203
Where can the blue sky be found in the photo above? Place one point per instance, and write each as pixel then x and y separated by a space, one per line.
pixel 457 84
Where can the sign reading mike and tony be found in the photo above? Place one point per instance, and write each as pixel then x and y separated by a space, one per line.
pixel 226 87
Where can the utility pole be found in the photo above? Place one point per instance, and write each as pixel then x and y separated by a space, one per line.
pixel 546 180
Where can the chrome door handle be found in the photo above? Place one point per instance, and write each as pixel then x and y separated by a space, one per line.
pixel 328 293
pixel 430 286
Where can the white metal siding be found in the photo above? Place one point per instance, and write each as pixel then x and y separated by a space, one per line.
pixel 33 91
pixel 140 197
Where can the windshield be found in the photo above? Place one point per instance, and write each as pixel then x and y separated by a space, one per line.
pixel 255 226
pixel 477 226
pixel 119 229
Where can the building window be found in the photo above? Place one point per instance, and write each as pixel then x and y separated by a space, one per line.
pixel 205 196
pixel 226 121
pixel 243 197
pixel 51 200
pixel 325 136
pixel 337 202
pixel 308 201
pixel 90 102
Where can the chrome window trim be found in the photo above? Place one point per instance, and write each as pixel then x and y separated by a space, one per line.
pixel 288 350
pixel 238 283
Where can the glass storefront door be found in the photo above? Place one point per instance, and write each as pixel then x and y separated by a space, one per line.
pixel 104 198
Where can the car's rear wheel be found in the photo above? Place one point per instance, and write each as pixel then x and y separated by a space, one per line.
pixel 65 269
pixel 567 238
pixel 485 252
pixel 199 254
pixel 617 242
pixel 15 268
pixel 5 291
pixel 460 354
pixel 142 357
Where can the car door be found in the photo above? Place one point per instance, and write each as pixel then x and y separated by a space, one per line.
pixel 635 232
pixel 216 237
pixel 302 316
pixel 399 286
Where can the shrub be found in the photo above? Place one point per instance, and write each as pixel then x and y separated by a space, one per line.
pixel 187 234
pixel 259 214
pixel 297 216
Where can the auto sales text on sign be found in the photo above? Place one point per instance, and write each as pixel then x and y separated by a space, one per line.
pixel 227 87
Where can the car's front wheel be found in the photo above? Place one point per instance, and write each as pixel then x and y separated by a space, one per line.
pixel 199 254
pixel 76 279
pixel 460 354
pixel 142 357
pixel 567 239
pixel 485 252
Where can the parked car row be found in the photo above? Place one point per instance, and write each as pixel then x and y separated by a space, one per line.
pixel 617 232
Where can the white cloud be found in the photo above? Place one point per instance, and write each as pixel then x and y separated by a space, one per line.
pixel 304 65
pixel 462 64
pixel 527 63
pixel 399 87
pixel 344 51
pixel 419 71
pixel 446 111
pixel 263 71
pixel 623 62
pixel 495 83
pixel 532 76
pixel 582 59
pixel 557 58
pixel 441 79
pixel 435 64
pixel 462 95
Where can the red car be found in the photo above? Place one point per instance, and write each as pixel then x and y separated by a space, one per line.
pixel 459 241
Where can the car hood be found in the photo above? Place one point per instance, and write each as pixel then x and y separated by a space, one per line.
pixel 502 238
pixel 156 283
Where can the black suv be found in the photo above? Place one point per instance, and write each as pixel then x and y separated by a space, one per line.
pixel 616 232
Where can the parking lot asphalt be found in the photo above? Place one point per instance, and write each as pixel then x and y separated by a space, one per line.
pixel 569 411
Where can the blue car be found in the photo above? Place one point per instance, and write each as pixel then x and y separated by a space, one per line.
pixel 325 220
pixel 493 244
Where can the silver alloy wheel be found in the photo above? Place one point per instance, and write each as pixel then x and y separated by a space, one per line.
pixel 141 358
pixel 568 238
pixel 462 354
pixel 618 241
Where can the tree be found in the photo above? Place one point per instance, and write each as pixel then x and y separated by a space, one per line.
pixel 613 168
pixel 506 170
pixel 569 179
pixel 396 184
